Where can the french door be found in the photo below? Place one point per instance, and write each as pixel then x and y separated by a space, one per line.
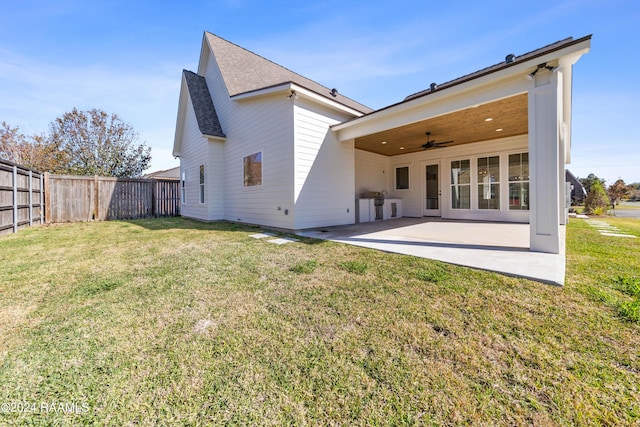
pixel 432 193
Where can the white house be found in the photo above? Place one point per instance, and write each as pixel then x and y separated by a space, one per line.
pixel 261 144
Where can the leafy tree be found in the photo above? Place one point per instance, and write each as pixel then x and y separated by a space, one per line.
pixel 589 180
pixel 97 143
pixel 618 190
pixel 34 152
pixel 10 143
pixel 597 200
pixel 634 191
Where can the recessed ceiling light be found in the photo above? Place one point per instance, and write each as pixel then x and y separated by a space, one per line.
pixel 499 130
pixel 402 148
pixel 488 119
pixel 384 142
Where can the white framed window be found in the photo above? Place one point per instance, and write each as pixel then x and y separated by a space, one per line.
pixel 183 193
pixel 489 182
pixel 519 182
pixel 461 184
pixel 252 169
pixel 402 178
pixel 201 183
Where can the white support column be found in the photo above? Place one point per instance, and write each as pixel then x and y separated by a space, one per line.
pixel 545 118
pixel 562 142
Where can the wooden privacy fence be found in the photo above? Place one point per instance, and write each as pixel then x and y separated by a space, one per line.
pixel 96 198
pixel 21 197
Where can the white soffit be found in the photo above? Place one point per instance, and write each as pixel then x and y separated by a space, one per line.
pixel 501 83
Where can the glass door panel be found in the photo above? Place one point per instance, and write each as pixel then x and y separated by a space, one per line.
pixel 432 202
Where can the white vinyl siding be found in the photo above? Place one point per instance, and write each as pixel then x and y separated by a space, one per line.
pixel 262 124
pixel 307 176
pixel 372 172
pixel 194 149
pixel 214 174
pixel 324 169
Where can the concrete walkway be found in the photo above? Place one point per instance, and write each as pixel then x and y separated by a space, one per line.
pixel 499 247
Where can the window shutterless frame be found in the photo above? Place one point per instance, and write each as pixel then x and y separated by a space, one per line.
pixel 402 178
pixel 183 193
pixel 252 170
pixel 201 183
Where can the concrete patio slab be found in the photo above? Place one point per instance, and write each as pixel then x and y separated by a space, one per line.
pixel 499 247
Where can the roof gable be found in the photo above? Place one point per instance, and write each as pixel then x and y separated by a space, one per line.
pixel 244 71
pixel 203 105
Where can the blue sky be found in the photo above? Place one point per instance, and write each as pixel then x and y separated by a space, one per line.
pixel 126 57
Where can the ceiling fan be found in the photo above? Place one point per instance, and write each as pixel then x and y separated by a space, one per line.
pixel 433 144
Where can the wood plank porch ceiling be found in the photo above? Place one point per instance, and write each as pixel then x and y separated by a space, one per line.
pixel 461 127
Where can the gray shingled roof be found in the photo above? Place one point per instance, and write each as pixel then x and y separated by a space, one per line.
pixel 515 60
pixel 203 105
pixel 244 71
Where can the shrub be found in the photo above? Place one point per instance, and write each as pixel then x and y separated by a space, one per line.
pixel 597 200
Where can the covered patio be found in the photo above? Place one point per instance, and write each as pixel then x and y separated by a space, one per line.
pixel 494 246
pixel 488 146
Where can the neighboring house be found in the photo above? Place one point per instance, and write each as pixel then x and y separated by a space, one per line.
pixel 168 174
pixel 261 144
pixel 578 192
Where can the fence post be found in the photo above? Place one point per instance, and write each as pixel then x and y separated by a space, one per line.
pixel 47 197
pixel 96 200
pixel 15 199
pixel 42 213
pixel 154 198
pixel 30 198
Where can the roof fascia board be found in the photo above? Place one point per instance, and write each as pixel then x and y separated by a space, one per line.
pixel 258 93
pixel 289 88
pixel 205 51
pixel 182 104
pixel 571 52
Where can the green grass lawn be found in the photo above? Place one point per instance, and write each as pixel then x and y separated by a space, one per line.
pixel 175 322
